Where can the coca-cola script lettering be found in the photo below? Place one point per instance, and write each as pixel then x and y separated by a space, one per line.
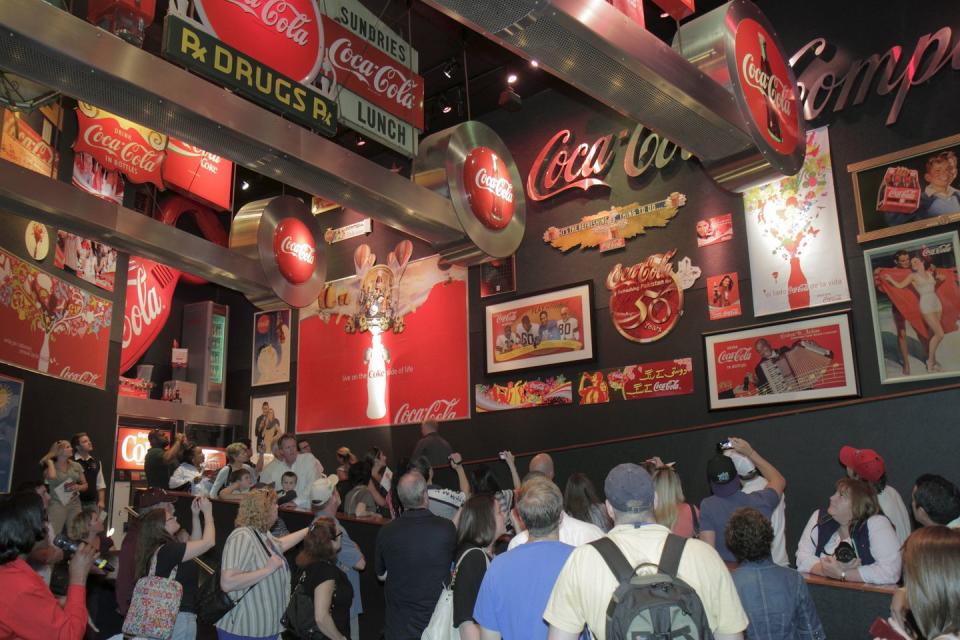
pixel 647 298
pixel 437 410
pixel 150 287
pixel 280 16
pixel 295 250
pixel 121 145
pixel 487 181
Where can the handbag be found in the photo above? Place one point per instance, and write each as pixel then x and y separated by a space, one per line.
pixel 155 605
pixel 299 618
pixel 441 626
pixel 213 602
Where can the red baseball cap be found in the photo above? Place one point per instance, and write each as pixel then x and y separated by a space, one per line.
pixel 866 463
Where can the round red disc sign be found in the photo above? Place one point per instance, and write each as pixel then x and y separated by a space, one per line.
pixel 486 179
pixel 646 300
pixel 295 250
pixel 765 82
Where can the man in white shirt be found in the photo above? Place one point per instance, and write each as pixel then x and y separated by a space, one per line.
pixel 571 531
pixel 290 459
pixel 867 465
pixel 751 482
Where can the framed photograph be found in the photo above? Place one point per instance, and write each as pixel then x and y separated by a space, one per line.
pixel 91 261
pixel 915 304
pixel 271 347
pixel 907 190
pixel 807 359
pixel 547 328
pixel 268 421
pixel 11 394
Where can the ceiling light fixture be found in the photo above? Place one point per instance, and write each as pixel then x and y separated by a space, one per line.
pixel 534 64
pixel 360 141
pixel 512 78
pixel 449 68
pixel 244 185
pixel 445 106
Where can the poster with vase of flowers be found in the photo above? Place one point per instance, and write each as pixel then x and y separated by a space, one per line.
pixel 793 235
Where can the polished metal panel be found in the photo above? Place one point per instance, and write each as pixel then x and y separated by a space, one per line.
pixel 61 205
pixel 439 166
pixel 161 410
pixel 594 47
pixel 70 55
pixel 252 235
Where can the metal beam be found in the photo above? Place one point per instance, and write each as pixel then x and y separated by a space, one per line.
pixel 61 205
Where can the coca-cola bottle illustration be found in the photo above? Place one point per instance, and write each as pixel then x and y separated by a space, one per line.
pixel 773 121
pixel 376 358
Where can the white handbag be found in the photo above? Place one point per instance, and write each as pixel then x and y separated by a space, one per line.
pixel 441 622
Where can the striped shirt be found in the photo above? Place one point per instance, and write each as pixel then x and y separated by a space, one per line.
pixel 258 614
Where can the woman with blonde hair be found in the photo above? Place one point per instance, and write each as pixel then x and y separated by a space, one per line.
pixel 670 508
pixel 931 575
pixel 238 457
pixel 66 481
pixel 253 570
pixel 851 540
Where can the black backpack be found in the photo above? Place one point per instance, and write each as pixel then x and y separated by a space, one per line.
pixel 660 606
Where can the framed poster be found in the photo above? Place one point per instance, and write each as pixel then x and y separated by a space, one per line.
pixel 907 190
pixel 525 393
pixel 808 359
pixel 402 345
pixel 714 230
pixel 11 394
pixel 723 296
pixel 915 304
pixel 793 237
pixel 51 326
pixel 547 328
pixel 268 421
pixel 271 347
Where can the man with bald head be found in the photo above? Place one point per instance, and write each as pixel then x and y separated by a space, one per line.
pixel 413 556
pixel 542 463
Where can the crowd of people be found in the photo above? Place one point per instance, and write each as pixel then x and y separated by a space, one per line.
pixel 521 562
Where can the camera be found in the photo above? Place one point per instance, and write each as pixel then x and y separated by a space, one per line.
pixel 503 455
pixel 845 552
pixel 70 547
pixel 723 445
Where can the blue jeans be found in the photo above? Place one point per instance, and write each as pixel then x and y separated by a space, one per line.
pixel 185 627
pixel 226 635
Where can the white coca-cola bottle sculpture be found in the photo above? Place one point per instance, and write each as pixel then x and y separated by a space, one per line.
pixel 376 360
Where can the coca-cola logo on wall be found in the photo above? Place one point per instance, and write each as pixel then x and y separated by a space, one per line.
pixel 767 90
pixel 150 287
pixel 646 300
pixel 486 179
pixel 286 35
pixel 295 250
pixel 120 145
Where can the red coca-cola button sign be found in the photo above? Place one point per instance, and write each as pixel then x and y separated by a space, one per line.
pixel 286 35
pixel 646 299
pixel 486 179
pixel 765 82
pixel 295 250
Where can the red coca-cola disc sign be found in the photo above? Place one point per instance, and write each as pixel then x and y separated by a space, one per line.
pixel 285 35
pixel 486 179
pixel 646 300
pixel 295 250
pixel 766 86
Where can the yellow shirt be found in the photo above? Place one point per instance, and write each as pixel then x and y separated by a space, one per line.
pixel 585 583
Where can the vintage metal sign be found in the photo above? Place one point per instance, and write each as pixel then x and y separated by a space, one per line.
pixel 610 229
pixel 207 177
pixel 339 234
pixel 646 300
pixel 200 52
pixel 121 145
pixel 637 381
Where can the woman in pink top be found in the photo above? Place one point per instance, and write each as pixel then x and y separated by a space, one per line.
pixel 670 508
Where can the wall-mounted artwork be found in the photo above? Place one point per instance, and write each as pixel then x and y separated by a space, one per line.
pixel 11 394
pixel 543 329
pixel 723 296
pixel 91 261
pixel 637 381
pixel 271 347
pixel 915 304
pixel 714 230
pixel 523 394
pixel 907 190
pixel 807 359
pixel 268 421
pixel 796 253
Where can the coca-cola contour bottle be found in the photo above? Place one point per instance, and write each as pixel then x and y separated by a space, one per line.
pixel 773 121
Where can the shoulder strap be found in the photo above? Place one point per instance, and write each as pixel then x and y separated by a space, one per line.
pixel 696 520
pixel 462 556
pixel 670 556
pixel 614 558
pixel 153 565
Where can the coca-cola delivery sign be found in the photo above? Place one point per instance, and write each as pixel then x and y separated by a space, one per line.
pixel 50 326
pixel 207 177
pixel 767 90
pixel 121 145
pixel 286 35
pixel 356 65
pixel 345 377
pixel 486 179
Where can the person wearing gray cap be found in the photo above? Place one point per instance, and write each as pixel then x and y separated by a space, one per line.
pixel 585 584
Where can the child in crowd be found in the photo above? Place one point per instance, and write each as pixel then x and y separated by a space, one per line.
pixel 240 482
pixel 289 491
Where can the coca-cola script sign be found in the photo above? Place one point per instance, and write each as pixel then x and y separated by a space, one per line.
pixel 637 381
pixel 205 176
pixel 486 179
pixel 295 250
pixel 150 287
pixel 20 144
pixel 802 360
pixel 373 75
pixel 121 145
pixel 646 299
pixel 52 327
pixel 286 35
pixel 336 382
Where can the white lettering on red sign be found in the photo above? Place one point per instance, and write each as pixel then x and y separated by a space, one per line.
pixel 742 354
pixel 131 152
pixel 302 251
pixel 133 448
pixel 146 308
pixel 769 85
pixel 280 16
pixel 669 385
pixel 437 410
pixel 83 377
pixel 387 80
pixel 498 186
